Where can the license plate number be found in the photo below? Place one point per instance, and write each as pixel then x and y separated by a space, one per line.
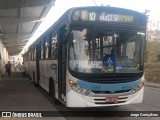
pixel 112 99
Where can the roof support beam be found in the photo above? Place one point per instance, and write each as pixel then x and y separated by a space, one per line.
pixel 11 20
pixel 11 46
pixel 8 4
pixel 20 12
pixel 44 12
pixel 14 52
pixel 14 35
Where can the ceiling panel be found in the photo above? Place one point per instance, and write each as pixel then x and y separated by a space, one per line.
pixel 16 21
pixel 32 12
pixel 10 28
pixel 8 13
pixel 27 27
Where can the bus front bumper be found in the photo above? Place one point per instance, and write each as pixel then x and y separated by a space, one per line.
pixel 75 99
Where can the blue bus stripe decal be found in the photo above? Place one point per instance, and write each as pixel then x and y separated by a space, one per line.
pixel 108 87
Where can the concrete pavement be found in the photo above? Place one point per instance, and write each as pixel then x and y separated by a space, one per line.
pixel 19 94
pixel 151 84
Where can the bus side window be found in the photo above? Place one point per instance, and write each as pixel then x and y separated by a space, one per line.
pixel 34 53
pixel 42 50
pixel 29 56
pixel 54 46
pixel 46 47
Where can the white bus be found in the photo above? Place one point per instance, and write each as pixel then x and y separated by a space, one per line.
pixel 91 57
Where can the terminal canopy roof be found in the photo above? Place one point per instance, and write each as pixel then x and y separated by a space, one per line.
pixel 19 19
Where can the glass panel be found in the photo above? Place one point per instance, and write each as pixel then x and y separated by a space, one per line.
pixel 46 49
pixel 32 55
pixel 42 51
pixel 35 53
pixel 29 56
pixel 90 53
pixel 129 59
pixel 54 46
pixel 105 51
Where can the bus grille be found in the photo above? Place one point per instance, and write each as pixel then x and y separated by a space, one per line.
pixel 109 92
pixel 109 102
pixel 103 100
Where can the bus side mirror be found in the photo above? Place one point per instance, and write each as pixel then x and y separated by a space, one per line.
pixel 53 66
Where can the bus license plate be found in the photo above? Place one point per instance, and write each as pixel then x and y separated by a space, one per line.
pixel 112 99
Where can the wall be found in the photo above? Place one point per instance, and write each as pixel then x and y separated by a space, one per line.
pixel 3 56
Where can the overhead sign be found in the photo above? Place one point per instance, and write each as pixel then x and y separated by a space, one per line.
pixel 85 15
pixel 115 17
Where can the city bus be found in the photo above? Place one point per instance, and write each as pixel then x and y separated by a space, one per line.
pixel 91 57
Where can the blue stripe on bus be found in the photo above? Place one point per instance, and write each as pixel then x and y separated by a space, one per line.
pixel 108 87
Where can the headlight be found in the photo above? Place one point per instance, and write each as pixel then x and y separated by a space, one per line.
pixel 77 88
pixel 140 85
pixel 72 84
pixel 134 91
pixel 87 92
pixel 138 88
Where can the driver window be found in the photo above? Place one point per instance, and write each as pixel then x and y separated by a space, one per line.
pixel 54 46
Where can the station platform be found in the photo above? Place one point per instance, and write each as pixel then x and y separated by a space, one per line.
pixel 14 75
pixel 19 94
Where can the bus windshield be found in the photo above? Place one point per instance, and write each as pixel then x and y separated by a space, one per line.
pixel 106 51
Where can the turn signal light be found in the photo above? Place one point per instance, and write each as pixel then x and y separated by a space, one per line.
pixel 72 84
pixel 77 88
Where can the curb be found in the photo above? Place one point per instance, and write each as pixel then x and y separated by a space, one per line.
pixel 153 86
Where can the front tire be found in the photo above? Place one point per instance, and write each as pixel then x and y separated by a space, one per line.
pixel 52 92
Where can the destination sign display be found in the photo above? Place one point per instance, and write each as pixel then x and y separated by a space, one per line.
pixel 84 15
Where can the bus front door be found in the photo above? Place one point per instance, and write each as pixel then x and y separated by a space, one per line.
pixel 62 71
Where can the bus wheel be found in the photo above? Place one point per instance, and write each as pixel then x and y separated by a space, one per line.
pixel 52 92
